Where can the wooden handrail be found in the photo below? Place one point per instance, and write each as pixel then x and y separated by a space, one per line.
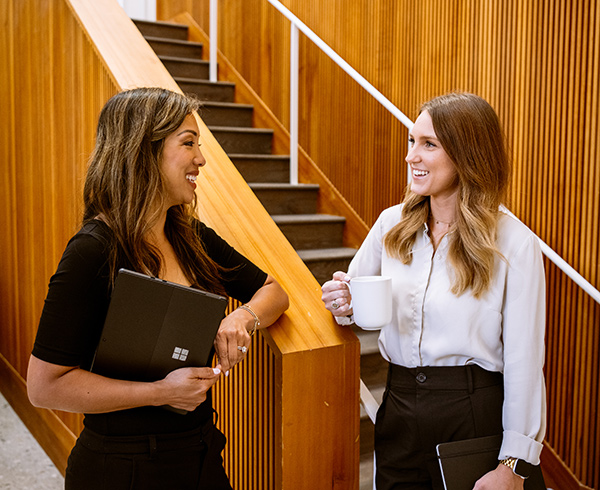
pixel 129 59
pixel 226 202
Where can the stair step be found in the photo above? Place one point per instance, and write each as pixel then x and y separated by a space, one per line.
pixel 262 168
pixel 366 472
pixel 174 47
pixel 325 261
pixel 306 231
pixel 367 428
pixel 373 370
pixel 243 140
pixel 186 67
pixel 279 198
pixel 368 341
pixel 205 90
pixel 162 29
pixel 227 114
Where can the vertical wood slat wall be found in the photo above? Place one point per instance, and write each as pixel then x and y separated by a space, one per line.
pixel 247 415
pixel 536 62
pixel 52 97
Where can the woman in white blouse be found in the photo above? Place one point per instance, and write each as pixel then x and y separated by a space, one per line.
pixel 466 341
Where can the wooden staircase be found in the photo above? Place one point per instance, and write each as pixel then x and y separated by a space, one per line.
pixel 317 238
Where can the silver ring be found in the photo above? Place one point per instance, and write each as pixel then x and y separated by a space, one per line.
pixel 243 348
pixel 335 305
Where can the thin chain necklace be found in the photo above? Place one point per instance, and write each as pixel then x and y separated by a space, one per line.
pixel 438 221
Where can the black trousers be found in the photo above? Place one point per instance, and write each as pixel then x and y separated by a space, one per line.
pixel 186 461
pixel 425 406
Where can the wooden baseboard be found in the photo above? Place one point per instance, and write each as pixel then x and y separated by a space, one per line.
pixel 557 473
pixel 52 434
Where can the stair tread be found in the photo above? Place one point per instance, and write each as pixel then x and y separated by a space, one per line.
pixel 182 59
pixel 200 81
pixel 327 253
pixel 233 105
pixel 174 30
pixel 169 40
pixel 368 340
pixel 160 23
pixel 263 186
pixel 366 472
pixel 234 129
pixel 254 156
pixel 306 218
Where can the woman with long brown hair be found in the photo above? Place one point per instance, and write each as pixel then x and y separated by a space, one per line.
pixel 139 198
pixel 466 340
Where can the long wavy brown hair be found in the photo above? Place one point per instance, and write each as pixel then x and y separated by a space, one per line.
pixel 124 182
pixel 470 133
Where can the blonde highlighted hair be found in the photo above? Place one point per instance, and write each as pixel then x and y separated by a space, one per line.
pixel 469 131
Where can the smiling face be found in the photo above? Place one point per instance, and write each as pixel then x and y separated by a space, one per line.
pixel 432 170
pixel 180 163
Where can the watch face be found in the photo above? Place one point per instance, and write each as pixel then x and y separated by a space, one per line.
pixel 523 468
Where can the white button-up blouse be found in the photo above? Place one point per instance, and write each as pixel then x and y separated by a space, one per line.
pixel 501 331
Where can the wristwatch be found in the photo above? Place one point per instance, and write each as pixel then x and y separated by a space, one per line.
pixel 520 468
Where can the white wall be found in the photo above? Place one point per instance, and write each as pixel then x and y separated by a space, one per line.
pixel 139 9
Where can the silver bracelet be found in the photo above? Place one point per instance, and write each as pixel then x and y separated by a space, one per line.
pixel 256 320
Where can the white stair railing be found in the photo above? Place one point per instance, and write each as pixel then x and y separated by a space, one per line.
pixel 296 25
pixel 212 61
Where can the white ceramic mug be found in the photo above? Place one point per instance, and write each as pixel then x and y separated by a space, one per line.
pixel 371 301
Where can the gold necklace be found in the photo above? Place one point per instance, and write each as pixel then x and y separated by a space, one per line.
pixel 438 221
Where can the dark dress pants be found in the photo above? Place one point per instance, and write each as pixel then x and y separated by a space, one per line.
pixel 188 461
pixel 425 406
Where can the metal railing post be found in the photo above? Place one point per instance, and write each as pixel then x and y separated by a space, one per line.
pixel 213 41
pixel 294 73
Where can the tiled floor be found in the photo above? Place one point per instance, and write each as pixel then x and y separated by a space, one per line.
pixel 23 463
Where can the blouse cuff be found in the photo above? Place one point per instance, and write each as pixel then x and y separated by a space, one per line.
pixel 516 445
pixel 344 320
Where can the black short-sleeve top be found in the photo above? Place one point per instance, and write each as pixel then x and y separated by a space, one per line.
pixel 76 306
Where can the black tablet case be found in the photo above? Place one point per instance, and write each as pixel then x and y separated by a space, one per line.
pixel 154 327
pixel 464 462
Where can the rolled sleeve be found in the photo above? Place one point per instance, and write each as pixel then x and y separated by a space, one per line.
pixel 524 413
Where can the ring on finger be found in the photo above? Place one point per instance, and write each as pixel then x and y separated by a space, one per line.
pixel 243 348
pixel 334 304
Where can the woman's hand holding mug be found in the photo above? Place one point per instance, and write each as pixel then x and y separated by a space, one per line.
pixel 336 294
pixel 367 298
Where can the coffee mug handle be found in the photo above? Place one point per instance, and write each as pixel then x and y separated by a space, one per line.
pixel 349 289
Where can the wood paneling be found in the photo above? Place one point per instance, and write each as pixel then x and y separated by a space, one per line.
pixel 537 62
pixel 50 104
pixel 295 402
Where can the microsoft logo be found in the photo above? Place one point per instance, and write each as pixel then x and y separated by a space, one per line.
pixel 180 354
